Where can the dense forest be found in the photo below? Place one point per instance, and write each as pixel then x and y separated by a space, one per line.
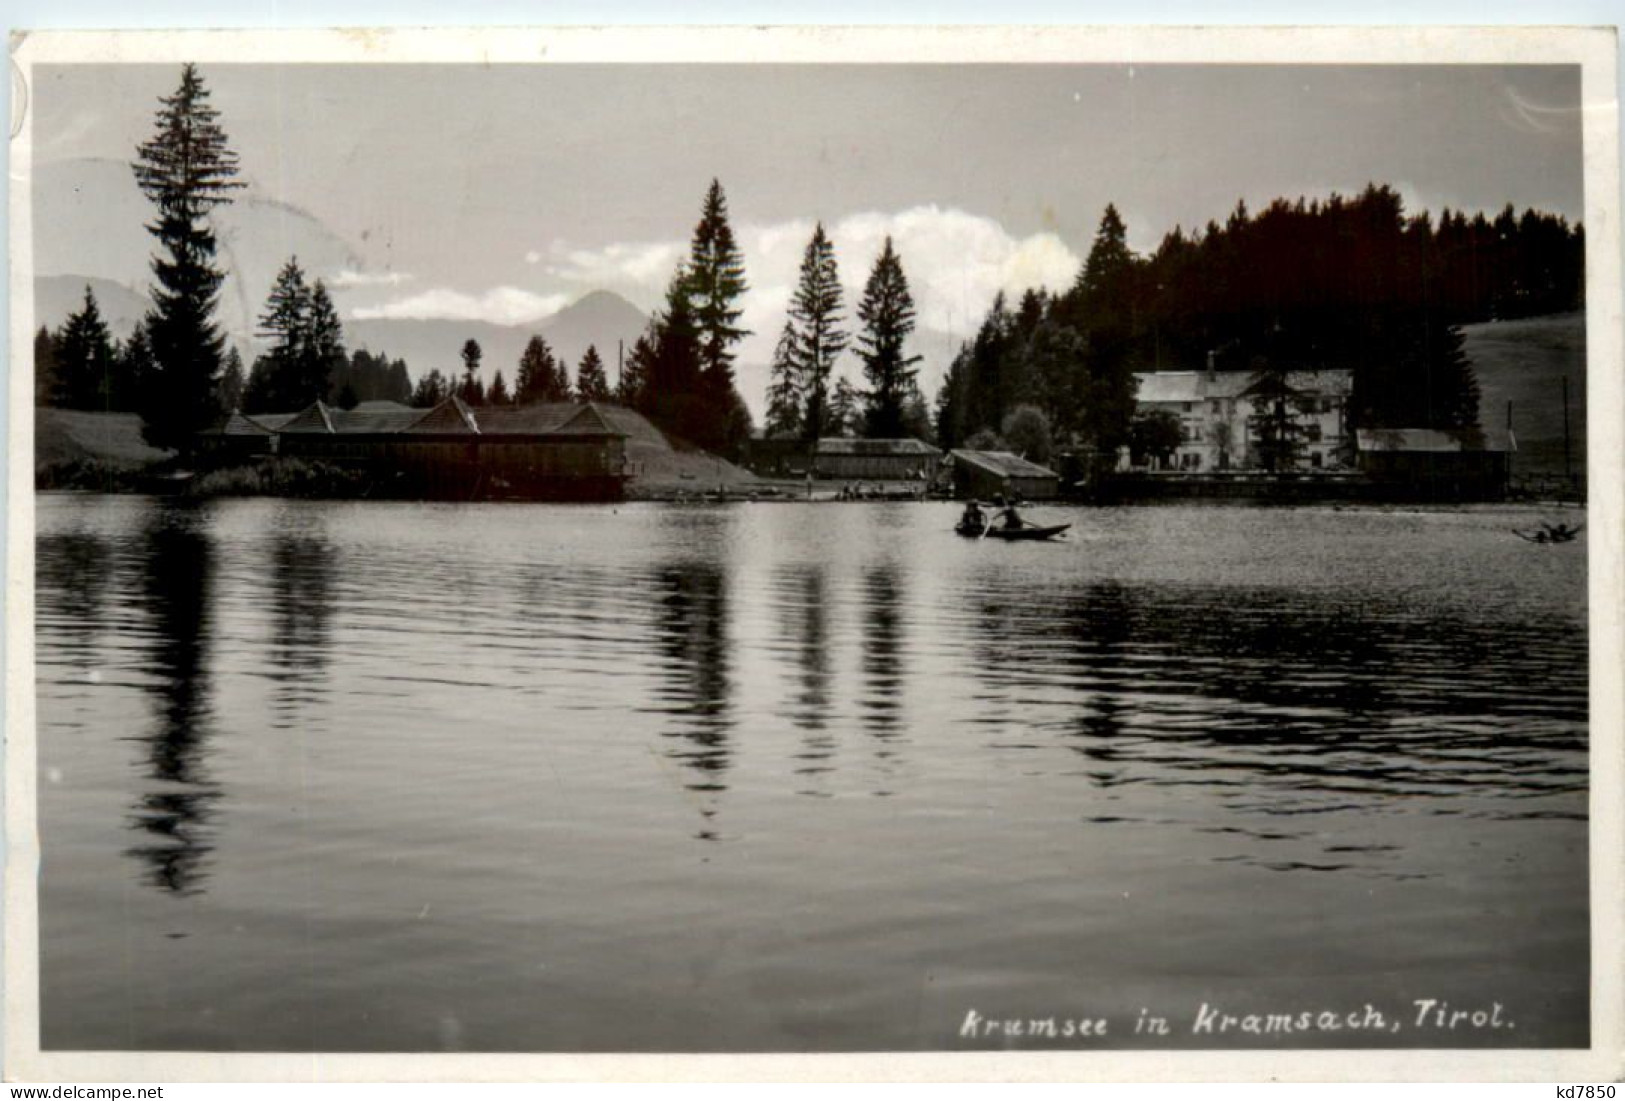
pixel 1351 283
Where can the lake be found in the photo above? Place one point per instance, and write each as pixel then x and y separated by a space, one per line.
pixel 355 776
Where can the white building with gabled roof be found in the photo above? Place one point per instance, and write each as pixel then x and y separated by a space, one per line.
pixel 1215 414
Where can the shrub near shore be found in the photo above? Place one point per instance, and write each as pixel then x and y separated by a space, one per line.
pixel 278 477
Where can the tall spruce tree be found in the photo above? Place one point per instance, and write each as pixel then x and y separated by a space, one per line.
pixel 185 170
pixel 471 389
pixel 887 313
pixel 84 360
pixel 633 390
pixel 323 352
pixel 286 324
pixel 537 379
pixel 1103 306
pixel 816 311
pixel 592 383
pixel 716 281
pixel 784 400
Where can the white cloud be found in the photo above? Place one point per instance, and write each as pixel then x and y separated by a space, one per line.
pixel 499 305
pixel 641 268
pixel 348 278
pixel 955 261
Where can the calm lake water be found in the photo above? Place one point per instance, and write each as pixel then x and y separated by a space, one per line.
pixel 391 777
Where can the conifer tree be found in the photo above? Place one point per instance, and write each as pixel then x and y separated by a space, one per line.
pixel 84 359
pixel 784 401
pixel 1102 304
pixel 816 311
pixel 716 281
pixel 399 384
pixel 232 382
pixel 136 367
pixel 323 351
pixel 471 390
pixel 1109 258
pixel 987 388
pixel 1275 423
pixel 431 390
pixel 634 385
pixel 186 169
pixel 887 313
pixel 592 384
pixel 285 323
pixel 538 377
pixel 559 388
pixel 953 401
pixel 498 393
pixel 675 372
pixel 45 381
pixel 845 409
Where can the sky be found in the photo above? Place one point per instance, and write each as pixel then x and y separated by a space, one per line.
pixel 504 192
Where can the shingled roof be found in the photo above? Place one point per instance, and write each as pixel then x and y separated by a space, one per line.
pixel 1193 386
pixel 315 417
pixel 451 416
pixel 237 424
pixel 1406 439
pixel 1005 464
pixel 376 421
pixel 903 447
pixel 588 421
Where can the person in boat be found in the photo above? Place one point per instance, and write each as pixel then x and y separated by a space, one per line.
pixel 1007 512
pixel 1550 533
pixel 972 519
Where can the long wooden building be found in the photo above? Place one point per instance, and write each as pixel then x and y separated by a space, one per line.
pixel 551 451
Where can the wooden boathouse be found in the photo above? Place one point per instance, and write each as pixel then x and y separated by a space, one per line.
pixel 982 474
pixel 549 451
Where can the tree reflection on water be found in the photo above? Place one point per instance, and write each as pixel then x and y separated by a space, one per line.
pixel 175 814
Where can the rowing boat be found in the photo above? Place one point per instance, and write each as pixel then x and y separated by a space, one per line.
pixel 1029 531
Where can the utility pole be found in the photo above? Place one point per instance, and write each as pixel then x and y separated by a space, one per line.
pixel 620 366
pixel 1568 473
pixel 1512 449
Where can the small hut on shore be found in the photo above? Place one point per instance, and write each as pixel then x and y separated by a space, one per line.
pixel 1429 464
pixel 982 474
